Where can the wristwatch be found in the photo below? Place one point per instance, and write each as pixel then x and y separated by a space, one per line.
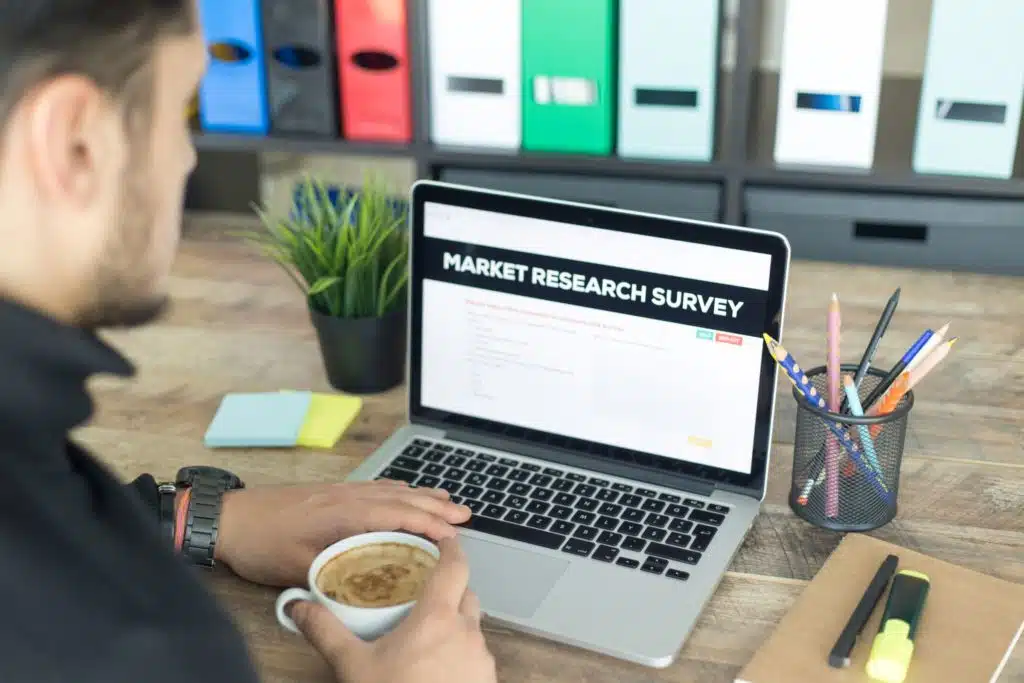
pixel 202 518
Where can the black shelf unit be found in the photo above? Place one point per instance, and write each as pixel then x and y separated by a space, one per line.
pixel 985 230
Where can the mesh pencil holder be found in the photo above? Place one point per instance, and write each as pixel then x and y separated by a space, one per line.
pixel 851 486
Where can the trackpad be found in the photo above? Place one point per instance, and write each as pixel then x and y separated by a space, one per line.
pixel 509 580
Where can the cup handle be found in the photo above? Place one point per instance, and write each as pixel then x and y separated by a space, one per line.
pixel 287 597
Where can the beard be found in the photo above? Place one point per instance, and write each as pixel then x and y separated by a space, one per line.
pixel 121 294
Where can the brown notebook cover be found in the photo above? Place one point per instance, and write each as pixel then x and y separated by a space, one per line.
pixel 969 626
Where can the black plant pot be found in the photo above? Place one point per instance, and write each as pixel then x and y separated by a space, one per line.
pixel 362 355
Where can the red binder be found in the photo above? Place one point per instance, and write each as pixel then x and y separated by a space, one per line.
pixel 373 69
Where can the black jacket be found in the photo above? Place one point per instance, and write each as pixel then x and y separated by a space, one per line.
pixel 90 592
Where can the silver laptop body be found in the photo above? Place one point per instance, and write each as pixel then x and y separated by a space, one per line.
pixel 598 543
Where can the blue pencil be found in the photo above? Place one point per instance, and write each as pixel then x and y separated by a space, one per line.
pixel 801 382
pixel 858 411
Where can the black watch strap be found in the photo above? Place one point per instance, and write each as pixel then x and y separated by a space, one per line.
pixel 202 519
pixel 167 494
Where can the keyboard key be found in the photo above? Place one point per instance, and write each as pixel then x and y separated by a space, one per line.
pixel 519 475
pixel 598 482
pixel 609 538
pixel 485 457
pixel 630 501
pixel 606 522
pixel 476 466
pixel 692 502
pixel 436 455
pixel 679 540
pixel 518 489
pixel 443 447
pixel 553 472
pixel 407 463
pixel 633 515
pixel 529 467
pixel 540 480
pixel 588 504
pixel 609 509
pixel 605 553
pixel 702 530
pixel 668 497
pixel 626 488
pixel 542 494
pixel 515 532
pixel 654 519
pixel 700 543
pixel 707 517
pixel 428 482
pixel 454 474
pixel 575 477
pixel 607 495
pixel 652 568
pixel 670 553
pixel 474 505
pixel 646 492
pixel 498 484
pixel 399 474
pixel 516 502
pixel 475 492
pixel 627 562
pixel 475 479
pixel 582 517
pixel 564 499
pixel 493 510
pixel 677 574
pixel 562 485
pixel 539 522
pixel 585 490
pixel 631 528
pixel 633 543
pixel 421 442
pixel 721 509
pixel 508 462
pixel 454 460
pixel 497 471
pixel 465 451
pixel 577 546
pixel 587 533
pixel 434 469
pixel 652 505
pixel 680 525
pixel 677 510
pixel 537 506
pixel 560 512
pixel 517 516
pixel 493 497
pixel 653 533
pixel 562 527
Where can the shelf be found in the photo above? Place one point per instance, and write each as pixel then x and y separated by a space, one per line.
pixel 297 145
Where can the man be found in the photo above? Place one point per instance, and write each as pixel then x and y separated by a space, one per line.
pixel 95 582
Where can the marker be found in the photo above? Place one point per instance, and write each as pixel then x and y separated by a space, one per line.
pixel 893 648
pixel 839 658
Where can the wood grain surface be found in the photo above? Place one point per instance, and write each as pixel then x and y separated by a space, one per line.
pixel 238 324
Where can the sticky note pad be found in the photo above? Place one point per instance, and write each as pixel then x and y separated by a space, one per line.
pixel 272 419
pixel 328 417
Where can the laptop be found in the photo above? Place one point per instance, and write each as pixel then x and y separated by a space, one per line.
pixel 593 383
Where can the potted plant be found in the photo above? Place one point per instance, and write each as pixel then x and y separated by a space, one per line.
pixel 348 252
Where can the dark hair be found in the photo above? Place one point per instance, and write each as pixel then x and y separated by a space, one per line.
pixel 110 42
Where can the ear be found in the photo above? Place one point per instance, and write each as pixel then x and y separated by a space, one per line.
pixel 73 133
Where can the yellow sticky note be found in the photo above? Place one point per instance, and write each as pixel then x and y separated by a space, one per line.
pixel 328 417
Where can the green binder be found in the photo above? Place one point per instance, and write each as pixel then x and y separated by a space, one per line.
pixel 569 75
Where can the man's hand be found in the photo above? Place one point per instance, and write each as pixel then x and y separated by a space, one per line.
pixel 270 535
pixel 439 642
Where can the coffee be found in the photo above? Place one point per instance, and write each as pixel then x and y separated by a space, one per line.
pixel 376 575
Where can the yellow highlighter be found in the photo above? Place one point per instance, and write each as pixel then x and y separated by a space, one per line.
pixel 893 647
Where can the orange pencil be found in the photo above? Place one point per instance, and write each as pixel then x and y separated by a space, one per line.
pixel 907 381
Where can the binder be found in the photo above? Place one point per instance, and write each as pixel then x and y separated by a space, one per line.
pixel 300 66
pixel 233 92
pixel 668 76
pixel 830 78
pixel 970 109
pixel 568 75
pixel 475 72
pixel 373 64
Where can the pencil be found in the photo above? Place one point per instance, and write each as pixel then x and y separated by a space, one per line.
pixel 858 411
pixel 832 377
pixel 907 381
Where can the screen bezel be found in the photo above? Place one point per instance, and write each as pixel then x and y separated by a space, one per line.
pixel 746 239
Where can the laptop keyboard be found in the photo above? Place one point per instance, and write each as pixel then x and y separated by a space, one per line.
pixel 635 527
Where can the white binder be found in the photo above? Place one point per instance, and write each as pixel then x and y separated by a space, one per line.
pixel 668 76
pixel 829 82
pixel 475 52
pixel 969 115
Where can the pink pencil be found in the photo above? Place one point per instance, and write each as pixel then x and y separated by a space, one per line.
pixel 833 388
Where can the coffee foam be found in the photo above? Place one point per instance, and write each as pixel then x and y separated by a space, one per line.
pixel 376 575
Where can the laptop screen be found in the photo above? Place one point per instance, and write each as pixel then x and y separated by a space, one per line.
pixel 606 337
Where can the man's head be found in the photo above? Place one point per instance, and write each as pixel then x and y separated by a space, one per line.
pixel 94 152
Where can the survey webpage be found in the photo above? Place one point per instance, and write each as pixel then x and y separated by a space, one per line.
pixel 626 340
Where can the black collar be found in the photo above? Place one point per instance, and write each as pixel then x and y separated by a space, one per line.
pixel 44 367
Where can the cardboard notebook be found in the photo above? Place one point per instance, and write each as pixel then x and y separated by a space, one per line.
pixel 968 629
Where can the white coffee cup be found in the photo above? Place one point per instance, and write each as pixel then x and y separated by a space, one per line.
pixel 368 623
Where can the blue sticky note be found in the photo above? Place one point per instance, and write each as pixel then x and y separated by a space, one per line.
pixel 269 420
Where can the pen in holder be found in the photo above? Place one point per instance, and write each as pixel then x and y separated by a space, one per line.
pixel 846 469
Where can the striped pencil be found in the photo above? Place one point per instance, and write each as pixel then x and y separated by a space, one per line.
pixel 813 396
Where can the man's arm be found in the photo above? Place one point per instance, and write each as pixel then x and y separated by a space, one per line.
pixel 145 488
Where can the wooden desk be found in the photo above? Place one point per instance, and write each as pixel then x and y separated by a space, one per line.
pixel 240 325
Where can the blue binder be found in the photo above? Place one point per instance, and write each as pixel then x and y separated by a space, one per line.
pixel 233 94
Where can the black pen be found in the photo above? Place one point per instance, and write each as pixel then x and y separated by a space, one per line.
pixel 839 658
pixel 880 328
